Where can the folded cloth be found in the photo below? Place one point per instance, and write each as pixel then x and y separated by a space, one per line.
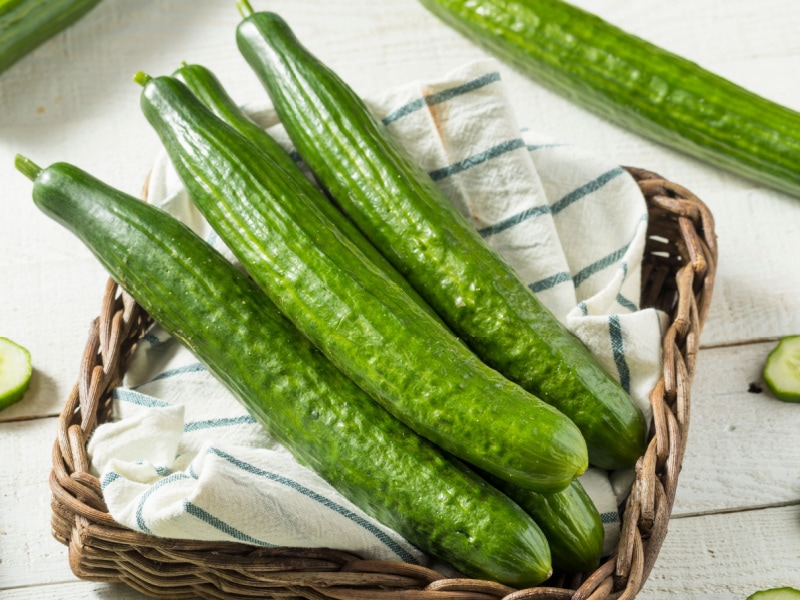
pixel 183 459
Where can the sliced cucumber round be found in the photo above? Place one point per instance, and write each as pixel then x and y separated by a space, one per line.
pixel 783 593
pixel 782 369
pixel 15 372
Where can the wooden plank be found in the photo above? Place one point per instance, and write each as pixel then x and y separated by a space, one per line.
pixel 29 555
pixel 743 448
pixel 726 556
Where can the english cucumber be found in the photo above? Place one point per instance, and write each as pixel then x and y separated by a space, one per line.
pixel 402 211
pixel 364 323
pixel 569 521
pixel 636 84
pixel 27 24
pixel 305 402
pixel 207 87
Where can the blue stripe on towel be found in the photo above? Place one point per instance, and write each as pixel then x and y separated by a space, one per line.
pixel 557 207
pixel 193 368
pixel 224 422
pixel 508 223
pixel 586 189
pixel 477 159
pixel 549 282
pixel 609 517
pixel 618 349
pixel 383 537
pixel 140 522
pixel 128 395
pixel 439 97
pixel 625 303
pixel 221 525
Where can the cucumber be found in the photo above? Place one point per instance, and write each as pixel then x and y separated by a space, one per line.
pixel 569 520
pixel 407 217
pixel 307 404
pixel 26 24
pixel 15 372
pixel 636 84
pixel 205 85
pixel 782 369
pixel 402 357
pixel 782 593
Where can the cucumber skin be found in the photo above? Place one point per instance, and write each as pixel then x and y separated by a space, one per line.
pixel 636 84
pixel 402 211
pixel 26 24
pixel 326 421
pixel 569 521
pixel 352 312
pixel 209 90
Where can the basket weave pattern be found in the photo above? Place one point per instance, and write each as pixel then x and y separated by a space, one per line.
pixel 678 277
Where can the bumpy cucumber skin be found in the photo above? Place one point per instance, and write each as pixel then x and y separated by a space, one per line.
pixel 26 24
pixel 402 211
pixel 636 84
pixel 205 85
pixel 320 415
pixel 402 357
pixel 568 519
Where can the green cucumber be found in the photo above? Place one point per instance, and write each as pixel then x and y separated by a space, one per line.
pixel 26 24
pixel 781 593
pixel 782 369
pixel 320 415
pixel 364 323
pixel 402 211
pixel 569 520
pixel 15 372
pixel 636 84
pixel 205 85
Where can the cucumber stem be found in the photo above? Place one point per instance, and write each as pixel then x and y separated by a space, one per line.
pixel 244 8
pixel 142 78
pixel 27 167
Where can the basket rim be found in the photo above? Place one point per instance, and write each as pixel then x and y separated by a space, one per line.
pixel 682 240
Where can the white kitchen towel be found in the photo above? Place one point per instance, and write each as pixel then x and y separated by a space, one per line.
pixel 183 459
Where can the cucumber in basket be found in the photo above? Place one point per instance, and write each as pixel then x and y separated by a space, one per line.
pixel 307 404
pixel 782 369
pixel 209 90
pixel 636 84
pixel 405 359
pixel 568 518
pixel 402 211
pixel 15 372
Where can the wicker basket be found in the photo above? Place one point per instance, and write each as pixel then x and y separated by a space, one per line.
pixel 678 277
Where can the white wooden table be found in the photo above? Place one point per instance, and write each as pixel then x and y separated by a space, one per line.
pixel 736 522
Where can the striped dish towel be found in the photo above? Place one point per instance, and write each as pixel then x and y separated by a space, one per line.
pixel 183 459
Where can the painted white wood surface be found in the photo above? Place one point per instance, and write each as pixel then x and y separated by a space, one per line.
pixel 736 525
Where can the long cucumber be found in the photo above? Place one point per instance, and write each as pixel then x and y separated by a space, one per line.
pixel 402 211
pixel 569 520
pixel 364 323
pixel 636 84
pixel 207 87
pixel 306 403
pixel 27 24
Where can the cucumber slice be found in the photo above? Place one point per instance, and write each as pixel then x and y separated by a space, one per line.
pixel 782 369
pixel 15 372
pixel 783 593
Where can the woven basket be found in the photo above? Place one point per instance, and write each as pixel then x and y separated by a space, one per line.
pixel 678 277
